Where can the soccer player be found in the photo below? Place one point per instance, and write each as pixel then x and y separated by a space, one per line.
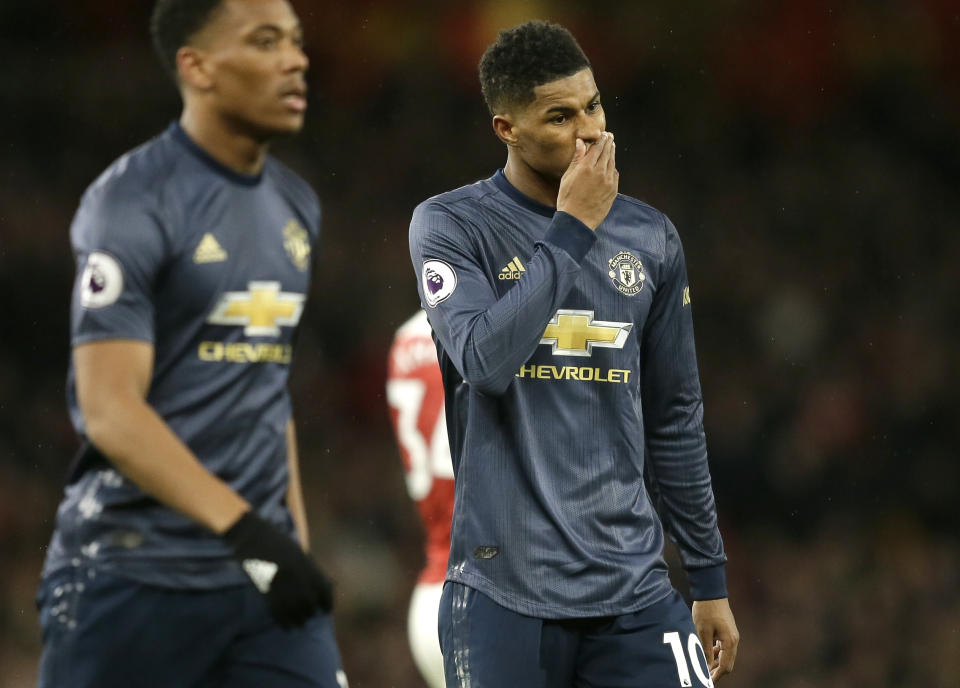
pixel 415 396
pixel 179 553
pixel 563 322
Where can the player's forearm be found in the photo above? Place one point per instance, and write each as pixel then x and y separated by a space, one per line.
pixel 499 340
pixel 295 500
pixel 142 447
pixel 681 480
pixel 677 456
pixel 679 467
pixel 489 338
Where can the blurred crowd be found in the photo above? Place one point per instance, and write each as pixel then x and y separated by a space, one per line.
pixel 809 154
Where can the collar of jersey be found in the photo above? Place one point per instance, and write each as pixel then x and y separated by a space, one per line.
pixel 180 135
pixel 500 179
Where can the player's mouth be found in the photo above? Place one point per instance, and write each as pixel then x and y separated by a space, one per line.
pixel 295 98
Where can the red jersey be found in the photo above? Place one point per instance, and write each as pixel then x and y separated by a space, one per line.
pixel 415 396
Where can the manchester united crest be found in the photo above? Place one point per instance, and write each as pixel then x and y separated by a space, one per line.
pixel 297 242
pixel 626 271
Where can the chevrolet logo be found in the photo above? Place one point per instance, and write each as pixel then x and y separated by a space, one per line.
pixel 576 333
pixel 262 310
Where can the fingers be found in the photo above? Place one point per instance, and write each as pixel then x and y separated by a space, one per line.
pixel 714 654
pixel 612 159
pixel 579 151
pixel 728 655
pixel 725 656
pixel 599 154
pixel 607 156
pixel 719 669
pixel 589 185
pixel 718 634
pixel 596 156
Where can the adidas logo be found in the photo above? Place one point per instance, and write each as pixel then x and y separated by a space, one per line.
pixel 209 250
pixel 513 271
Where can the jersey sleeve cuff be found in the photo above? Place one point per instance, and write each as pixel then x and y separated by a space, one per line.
pixel 568 233
pixel 708 583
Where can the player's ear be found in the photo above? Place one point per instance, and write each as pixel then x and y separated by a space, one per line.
pixel 505 129
pixel 193 69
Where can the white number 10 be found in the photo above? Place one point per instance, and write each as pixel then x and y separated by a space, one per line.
pixel 693 643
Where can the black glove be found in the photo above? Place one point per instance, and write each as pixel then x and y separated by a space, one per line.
pixel 285 575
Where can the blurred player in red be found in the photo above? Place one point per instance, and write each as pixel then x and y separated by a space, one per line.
pixel 415 395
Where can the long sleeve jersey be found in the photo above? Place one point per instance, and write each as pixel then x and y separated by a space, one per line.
pixel 569 369
pixel 211 268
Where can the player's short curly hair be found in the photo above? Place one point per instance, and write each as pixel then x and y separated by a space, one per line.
pixel 173 23
pixel 525 57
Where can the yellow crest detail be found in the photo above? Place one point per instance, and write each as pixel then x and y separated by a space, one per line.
pixel 297 242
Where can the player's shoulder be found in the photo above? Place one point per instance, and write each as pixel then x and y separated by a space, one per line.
pixel 461 202
pixel 135 178
pixel 131 201
pixel 640 211
pixel 635 214
pixel 292 186
pixel 455 217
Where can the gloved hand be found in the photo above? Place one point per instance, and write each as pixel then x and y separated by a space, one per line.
pixel 285 575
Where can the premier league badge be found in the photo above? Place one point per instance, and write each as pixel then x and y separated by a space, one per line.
pixel 439 281
pixel 102 281
pixel 626 271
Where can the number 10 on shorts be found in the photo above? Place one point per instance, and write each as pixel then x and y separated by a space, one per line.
pixel 693 643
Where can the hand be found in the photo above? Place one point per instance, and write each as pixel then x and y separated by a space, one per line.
pixel 718 634
pixel 289 579
pixel 589 186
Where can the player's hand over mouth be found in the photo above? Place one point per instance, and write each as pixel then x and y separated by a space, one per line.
pixel 589 186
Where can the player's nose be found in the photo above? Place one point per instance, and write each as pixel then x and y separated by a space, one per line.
pixel 589 129
pixel 295 60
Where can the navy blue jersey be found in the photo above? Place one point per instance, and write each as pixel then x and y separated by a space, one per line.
pixel 569 369
pixel 212 268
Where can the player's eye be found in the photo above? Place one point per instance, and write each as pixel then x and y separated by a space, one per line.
pixel 593 107
pixel 265 41
pixel 558 119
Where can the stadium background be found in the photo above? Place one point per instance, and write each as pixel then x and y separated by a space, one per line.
pixel 809 154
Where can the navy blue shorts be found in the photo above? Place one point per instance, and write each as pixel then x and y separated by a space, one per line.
pixel 488 646
pixel 101 630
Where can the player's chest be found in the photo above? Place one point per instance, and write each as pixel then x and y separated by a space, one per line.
pixel 618 277
pixel 240 249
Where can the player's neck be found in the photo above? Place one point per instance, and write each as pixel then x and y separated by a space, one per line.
pixel 239 151
pixel 531 183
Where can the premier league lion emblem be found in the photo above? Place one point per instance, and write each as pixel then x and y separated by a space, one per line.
pixel 102 281
pixel 439 281
pixel 626 271
pixel 97 281
pixel 434 281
